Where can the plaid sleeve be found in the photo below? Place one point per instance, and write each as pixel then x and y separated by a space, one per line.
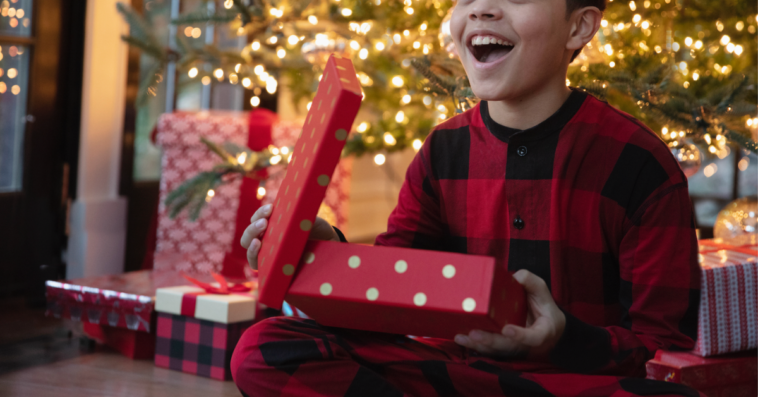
pixel 659 292
pixel 416 221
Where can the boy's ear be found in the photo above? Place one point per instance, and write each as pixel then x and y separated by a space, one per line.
pixel 584 25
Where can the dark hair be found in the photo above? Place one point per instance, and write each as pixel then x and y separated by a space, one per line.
pixel 572 5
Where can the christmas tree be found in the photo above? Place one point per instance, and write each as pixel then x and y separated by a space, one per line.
pixel 683 67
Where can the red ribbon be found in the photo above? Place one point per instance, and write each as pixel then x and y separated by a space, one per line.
pixel 721 246
pixel 189 299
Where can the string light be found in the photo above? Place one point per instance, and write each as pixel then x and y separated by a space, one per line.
pixel 196 32
pixel 192 73
pixel 406 32
pixel 632 6
pixel 417 144
pixel 206 80
pixel 379 159
pixel 688 41
pixel 725 40
pixel 363 53
pixel 209 195
pixel 400 116
pixel 15 90
pixel 255 101
pixel 742 165
pixel 397 81
pixel 313 20
pixel 218 73
pixel 281 53
pixel 346 12
pixel 698 44
pixel 285 150
pixel 308 106
pixel 261 192
pixel 406 99
pixel 379 46
pixel 275 159
pixel 389 139
pixel 241 158
pixel 255 46
pixel 354 45
pixel 246 82
pixel 738 50
pixel 363 127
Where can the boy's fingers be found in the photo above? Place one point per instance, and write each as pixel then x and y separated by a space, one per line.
pixel 534 286
pixel 252 253
pixel 532 336
pixel 263 212
pixel 253 231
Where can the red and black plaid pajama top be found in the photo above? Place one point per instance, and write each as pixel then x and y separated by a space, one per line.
pixel 590 200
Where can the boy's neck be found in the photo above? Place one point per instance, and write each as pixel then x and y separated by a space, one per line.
pixel 528 111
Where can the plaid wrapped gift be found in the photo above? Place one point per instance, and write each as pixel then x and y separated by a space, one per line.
pixel 199 326
pixel 728 320
pixel 199 347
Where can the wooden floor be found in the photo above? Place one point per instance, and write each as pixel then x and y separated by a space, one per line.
pixel 42 357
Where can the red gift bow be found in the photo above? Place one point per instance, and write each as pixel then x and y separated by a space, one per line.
pixel 721 246
pixel 189 299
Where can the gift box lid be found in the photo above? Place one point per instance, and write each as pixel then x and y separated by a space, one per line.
pixel 314 159
pixel 715 253
pixel 197 302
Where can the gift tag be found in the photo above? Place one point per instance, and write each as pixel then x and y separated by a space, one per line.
pixel 314 159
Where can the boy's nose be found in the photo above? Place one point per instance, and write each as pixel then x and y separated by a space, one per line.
pixel 485 10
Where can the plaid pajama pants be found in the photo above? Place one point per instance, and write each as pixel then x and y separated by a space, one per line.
pixel 283 356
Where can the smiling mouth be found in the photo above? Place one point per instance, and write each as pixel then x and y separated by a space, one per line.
pixel 488 49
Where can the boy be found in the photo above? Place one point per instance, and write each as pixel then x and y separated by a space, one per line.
pixel 585 204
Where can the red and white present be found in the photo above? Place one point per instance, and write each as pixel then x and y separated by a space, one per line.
pixel 211 243
pixel 728 320
pixel 733 375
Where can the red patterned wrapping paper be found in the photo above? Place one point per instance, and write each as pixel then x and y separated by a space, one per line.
pixel 731 375
pixel 124 300
pixel 728 320
pixel 210 244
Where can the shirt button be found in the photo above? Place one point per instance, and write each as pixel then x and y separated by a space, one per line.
pixel 518 223
pixel 521 151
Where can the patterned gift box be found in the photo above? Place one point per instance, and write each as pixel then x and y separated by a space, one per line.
pixel 730 375
pixel 123 300
pixel 197 330
pixel 199 347
pixel 728 320
pixel 210 244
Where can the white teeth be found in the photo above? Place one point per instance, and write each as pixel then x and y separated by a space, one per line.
pixel 485 40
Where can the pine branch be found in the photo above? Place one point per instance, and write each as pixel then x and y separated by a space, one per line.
pixel 735 92
pixel 741 140
pixel 218 150
pixel 434 80
pixel 146 47
pixel 138 26
pixel 148 85
pixel 217 18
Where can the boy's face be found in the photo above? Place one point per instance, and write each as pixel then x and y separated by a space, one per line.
pixel 530 49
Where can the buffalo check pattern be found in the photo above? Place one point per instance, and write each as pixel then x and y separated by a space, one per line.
pixel 590 200
pixel 195 346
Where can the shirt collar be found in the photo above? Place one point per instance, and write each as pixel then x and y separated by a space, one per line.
pixel 552 124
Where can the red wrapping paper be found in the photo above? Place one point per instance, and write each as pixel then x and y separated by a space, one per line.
pixel 405 291
pixel 730 375
pixel 728 320
pixel 314 159
pixel 123 300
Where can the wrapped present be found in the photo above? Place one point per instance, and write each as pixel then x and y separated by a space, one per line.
pixel 210 244
pixel 731 375
pixel 405 291
pixel 117 310
pixel 123 300
pixel 199 326
pixel 382 289
pixel 728 319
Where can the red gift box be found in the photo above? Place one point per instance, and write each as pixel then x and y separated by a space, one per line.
pixel 211 243
pixel 405 291
pixel 117 310
pixel 195 346
pixel 383 289
pixel 730 375
pixel 728 319
pixel 123 300
pixel 314 159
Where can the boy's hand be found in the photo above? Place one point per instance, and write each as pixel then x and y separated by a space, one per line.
pixel 544 325
pixel 250 240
